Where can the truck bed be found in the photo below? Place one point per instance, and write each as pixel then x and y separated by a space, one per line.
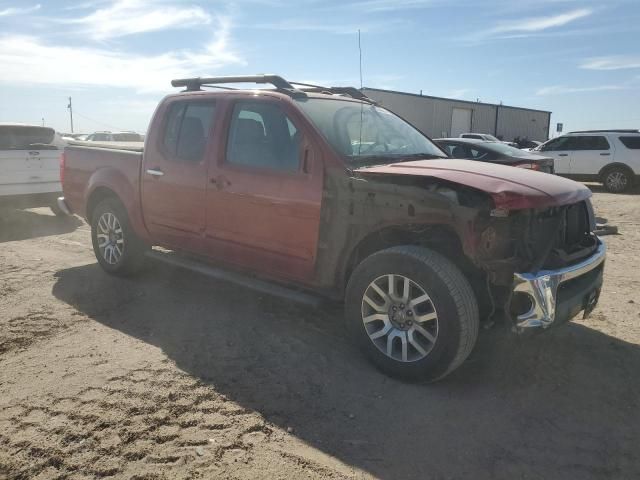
pixel 89 165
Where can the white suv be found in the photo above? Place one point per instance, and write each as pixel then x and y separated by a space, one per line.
pixel 29 166
pixel 611 157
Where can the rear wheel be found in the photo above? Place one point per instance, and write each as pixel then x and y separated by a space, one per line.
pixel 617 180
pixel 118 249
pixel 412 312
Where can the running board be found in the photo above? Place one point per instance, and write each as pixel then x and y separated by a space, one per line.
pixel 174 259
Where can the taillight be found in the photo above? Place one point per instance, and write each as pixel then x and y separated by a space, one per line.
pixel 62 163
pixel 530 166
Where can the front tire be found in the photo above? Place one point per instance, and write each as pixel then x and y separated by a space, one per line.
pixel 118 249
pixel 617 180
pixel 412 312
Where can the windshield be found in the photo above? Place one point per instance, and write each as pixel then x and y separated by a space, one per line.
pixel 361 132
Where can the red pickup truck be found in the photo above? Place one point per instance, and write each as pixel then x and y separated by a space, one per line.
pixel 321 190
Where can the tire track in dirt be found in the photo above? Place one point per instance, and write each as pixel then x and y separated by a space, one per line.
pixel 149 423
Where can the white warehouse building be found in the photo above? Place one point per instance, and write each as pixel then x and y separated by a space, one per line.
pixel 447 117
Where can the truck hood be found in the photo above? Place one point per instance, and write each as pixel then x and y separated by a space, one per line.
pixel 511 188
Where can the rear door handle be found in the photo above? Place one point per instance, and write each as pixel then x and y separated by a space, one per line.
pixel 563 154
pixel 604 154
pixel 156 172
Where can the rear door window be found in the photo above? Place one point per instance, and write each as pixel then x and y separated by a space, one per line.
pixel 25 137
pixel 262 136
pixel 591 142
pixel 631 142
pixel 188 129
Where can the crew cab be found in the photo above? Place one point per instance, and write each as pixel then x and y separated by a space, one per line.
pixel 29 166
pixel 611 157
pixel 318 189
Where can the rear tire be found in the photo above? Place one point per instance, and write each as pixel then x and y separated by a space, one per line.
pixel 118 249
pixel 424 303
pixel 617 180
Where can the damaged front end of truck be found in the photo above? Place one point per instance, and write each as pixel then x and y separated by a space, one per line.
pixel 526 244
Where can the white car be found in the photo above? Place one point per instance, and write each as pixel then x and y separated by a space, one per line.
pixel 30 166
pixel 485 137
pixel 611 157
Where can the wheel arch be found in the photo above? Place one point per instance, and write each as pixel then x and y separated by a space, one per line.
pixel 108 182
pixel 438 237
pixel 610 166
pixel 98 195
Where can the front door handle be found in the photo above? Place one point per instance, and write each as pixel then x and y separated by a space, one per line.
pixel 156 172
pixel 563 154
pixel 605 154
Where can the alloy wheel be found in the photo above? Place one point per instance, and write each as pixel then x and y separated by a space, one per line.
pixel 110 238
pixel 399 318
pixel 616 181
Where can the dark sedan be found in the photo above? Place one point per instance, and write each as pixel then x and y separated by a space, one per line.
pixel 494 152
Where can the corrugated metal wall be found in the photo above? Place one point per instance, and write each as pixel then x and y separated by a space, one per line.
pixel 513 122
pixel 433 115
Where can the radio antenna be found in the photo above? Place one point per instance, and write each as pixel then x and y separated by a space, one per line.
pixel 361 104
pixel 360 52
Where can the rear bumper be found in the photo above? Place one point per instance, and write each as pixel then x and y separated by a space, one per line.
pixel 556 296
pixel 30 200
pixel 62 205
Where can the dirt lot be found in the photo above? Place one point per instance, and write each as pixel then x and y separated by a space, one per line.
pixel 173 375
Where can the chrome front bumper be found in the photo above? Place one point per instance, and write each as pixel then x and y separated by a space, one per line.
pixel 542 290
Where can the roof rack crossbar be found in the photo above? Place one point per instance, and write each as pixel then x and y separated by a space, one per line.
pixel 351 91
pixel 218 86
pixel 194 84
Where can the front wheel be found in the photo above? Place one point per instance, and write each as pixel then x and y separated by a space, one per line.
pixel 412 312
pixel 118 249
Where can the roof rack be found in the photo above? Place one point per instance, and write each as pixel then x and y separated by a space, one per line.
pixel 282 85
pixel 611 130
pixel 194 84
pixel 350 91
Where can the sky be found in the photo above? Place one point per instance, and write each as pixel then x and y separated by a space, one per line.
pixel 578 59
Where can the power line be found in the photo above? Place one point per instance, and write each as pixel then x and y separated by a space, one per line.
pixel 99 122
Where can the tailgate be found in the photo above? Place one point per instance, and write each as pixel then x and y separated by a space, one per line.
pixel 29 171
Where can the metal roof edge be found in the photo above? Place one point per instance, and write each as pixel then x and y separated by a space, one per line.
pixel 455 100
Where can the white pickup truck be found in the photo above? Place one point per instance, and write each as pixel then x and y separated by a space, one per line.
pixel 30 166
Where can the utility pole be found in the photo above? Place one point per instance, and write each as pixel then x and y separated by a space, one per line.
pixel 70 107
pixel 43 121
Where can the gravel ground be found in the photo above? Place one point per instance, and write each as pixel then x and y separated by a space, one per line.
pixel 173 375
